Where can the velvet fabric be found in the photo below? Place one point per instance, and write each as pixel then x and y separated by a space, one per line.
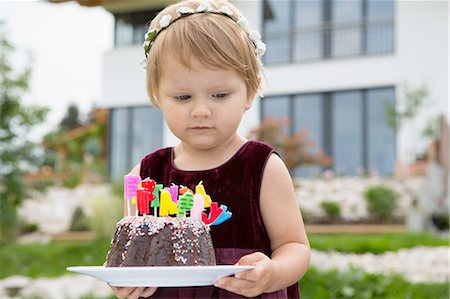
pixel 237 184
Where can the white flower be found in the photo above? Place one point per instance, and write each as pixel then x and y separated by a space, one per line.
pixel 226 10
pixel 260 48
pixel 242 22
pixel 146 44
pixel 204 6
pixel 254 36
pixel 165 21
pixel 184 10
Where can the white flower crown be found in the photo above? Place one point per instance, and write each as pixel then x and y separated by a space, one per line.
pixel 205 7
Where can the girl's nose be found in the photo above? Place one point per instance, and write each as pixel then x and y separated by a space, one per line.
pixel 201 109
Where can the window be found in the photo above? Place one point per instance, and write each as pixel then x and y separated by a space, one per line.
pixel 131 27
pixel 134 133
pixel 350 126
pixel 324 29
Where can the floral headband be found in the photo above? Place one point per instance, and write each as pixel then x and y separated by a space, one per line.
pixel 205 7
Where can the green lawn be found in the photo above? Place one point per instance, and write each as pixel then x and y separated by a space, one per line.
pixel 360 285
pixel 375 243
pixel 51 260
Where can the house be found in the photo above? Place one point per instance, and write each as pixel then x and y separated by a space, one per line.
pixel 332 67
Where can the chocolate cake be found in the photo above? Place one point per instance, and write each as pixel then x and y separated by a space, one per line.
pixel 160 241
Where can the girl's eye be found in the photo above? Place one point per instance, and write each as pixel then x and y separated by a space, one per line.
pixel 182 97
pixel 220 95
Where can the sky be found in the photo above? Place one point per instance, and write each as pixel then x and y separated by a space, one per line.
pixel 66 42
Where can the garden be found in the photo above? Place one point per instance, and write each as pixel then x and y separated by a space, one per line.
pixel 54 198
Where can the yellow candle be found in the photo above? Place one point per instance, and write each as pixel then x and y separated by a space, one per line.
pixel 200 189
pixel 167 206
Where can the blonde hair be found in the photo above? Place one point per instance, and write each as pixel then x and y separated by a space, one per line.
pixel 216 40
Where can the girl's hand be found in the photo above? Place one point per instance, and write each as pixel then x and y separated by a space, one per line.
pixel 133 293
pixel 252 282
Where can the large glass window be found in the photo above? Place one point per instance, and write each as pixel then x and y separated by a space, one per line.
pixel 346 30
pixel 346 126
pixel 381 140
pixel 322 29
pixel 308 111
pixel 134 133
pixel 278 29
pixel 350 126
pixel 131 27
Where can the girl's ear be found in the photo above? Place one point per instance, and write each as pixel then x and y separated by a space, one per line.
pixel 249 102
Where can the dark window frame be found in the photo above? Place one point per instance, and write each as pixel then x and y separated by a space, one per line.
pixel 326 28
pixel 327 121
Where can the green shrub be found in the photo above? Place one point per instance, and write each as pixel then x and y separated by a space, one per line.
pixel 381 201
pixel 72 181
pixel 106 211
pixel 79 221
pixel 331 208
pixel 27 228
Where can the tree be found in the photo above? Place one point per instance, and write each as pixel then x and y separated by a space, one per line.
pixel 295 149
pixel 17 153
pixel 71 119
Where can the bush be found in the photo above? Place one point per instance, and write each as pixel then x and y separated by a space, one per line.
pixel 381 201
pixel 72 181
pixel 331 208
pixel 106 211
pixel 79 221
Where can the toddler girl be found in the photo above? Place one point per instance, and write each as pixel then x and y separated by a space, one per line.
pixel 203 72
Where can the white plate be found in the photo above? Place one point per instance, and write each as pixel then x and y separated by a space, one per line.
pixel 172 276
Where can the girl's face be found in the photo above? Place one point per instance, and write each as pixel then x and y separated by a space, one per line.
pixel 202 107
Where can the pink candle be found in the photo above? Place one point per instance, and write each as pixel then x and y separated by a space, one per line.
pixel 174 193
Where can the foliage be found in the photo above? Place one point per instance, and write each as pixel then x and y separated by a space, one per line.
pixel 106 212
pixel 79 221
pixel 381 201
pixel 72 181
pixel 71 119
pixel 295 149
pixel 441 220
pixel 375 243
pixel 414 100
pixel 17 153
pixel 50 260
pixel 358 284
pixel 77 148
pixel 331 208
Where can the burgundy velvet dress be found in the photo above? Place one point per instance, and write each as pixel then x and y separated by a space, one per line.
pixel 237 184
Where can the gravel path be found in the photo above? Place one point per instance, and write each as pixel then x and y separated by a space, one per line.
pixel 419 264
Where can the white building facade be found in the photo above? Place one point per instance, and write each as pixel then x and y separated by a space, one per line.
pixel 332 66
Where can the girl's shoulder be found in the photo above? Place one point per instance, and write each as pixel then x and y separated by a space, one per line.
pixel 157 159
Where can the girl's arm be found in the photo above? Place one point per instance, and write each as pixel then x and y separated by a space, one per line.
pixel 290 247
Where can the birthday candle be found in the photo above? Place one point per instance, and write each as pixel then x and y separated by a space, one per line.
pixel 185 203
pixel 213 215
pixel 224 216
pixel 167 206
pixel 131 183
pixel 155 203
pixel 174 193
pixel 198 207
pixel 201 190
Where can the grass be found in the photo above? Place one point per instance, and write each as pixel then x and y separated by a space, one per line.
pixel 361 285
pixel 375 243
pixel 50 260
